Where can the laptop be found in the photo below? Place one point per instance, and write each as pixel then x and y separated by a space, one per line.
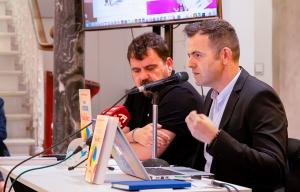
pixel 129 163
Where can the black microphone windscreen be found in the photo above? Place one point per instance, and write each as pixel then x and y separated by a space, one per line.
pixel 182 76
pixel 179 77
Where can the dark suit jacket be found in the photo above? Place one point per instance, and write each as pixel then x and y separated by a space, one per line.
pixel 3 149
pixel 3 134
pixel 251 147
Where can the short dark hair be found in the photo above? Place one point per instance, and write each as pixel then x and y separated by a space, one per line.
pixel 220 33
pixel 139 46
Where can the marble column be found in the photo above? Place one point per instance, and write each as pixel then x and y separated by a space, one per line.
pixel 286 67
pixel 68 74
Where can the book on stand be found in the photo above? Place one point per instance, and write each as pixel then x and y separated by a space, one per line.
pixel 85 113
pixel 100 150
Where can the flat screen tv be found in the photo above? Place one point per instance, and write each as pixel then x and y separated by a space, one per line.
pixel 112 14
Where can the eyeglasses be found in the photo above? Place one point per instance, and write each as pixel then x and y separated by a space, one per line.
pixel 196 55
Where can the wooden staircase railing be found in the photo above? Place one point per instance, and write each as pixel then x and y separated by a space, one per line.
pixel 39 27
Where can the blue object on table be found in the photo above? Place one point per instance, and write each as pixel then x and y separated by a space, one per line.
pixel 150 184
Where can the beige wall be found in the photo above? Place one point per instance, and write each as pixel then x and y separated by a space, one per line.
pixel 286 58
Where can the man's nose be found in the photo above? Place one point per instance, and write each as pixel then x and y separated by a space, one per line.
pixel 190 63
pixel 144 76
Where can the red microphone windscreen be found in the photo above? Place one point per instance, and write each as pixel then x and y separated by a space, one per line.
pixel 119 111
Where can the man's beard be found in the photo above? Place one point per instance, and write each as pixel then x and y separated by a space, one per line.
pixel 146 93
pixel 145 81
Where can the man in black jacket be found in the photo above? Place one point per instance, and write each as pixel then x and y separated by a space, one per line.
pixel 149 60
pixel 244 125
pixel 3 135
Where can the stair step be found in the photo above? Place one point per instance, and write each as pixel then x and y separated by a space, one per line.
pixel 6 41
pixel 5 17
pixel 20 146
pixel 18 116
pixel 7 34
pixel 12 80
pixel 7 62
pixel 18 125
pixel 9 53
pixel 10 72
pixel 15 102
pixel 12 93
pixel 20 141
pixel 2 7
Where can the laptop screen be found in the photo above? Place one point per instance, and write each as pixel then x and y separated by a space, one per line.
pixel 131 165
pixel 126 157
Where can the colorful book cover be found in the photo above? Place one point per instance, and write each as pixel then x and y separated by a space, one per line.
pixel 103 139
pixel 85 112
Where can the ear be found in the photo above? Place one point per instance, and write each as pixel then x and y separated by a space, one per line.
pixel 169 63
pixel 226 56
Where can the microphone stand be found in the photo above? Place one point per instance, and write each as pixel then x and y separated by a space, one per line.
pixel 154 161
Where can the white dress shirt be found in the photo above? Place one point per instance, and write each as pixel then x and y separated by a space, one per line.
pixel 216 112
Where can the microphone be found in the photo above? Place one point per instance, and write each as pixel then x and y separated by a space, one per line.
pixel 119 111
pixel 179 77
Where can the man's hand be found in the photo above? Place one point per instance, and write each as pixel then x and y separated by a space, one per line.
pixel 144 136
pixel 126 130
pixel 1 186
pixel 201 127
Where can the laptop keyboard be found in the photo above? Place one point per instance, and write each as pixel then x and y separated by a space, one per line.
pixel 160 171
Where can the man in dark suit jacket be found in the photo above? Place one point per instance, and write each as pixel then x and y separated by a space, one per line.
pixel 3 148
pixel 243 130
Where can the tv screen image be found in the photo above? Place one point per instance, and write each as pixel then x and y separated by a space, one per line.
pixel 110 14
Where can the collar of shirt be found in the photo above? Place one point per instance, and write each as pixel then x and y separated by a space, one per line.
pixel 220 101
pixel 222 97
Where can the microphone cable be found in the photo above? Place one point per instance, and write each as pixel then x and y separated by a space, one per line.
pixel 78 149
pixel 225 185
pixel 59 143
pixel 51 147
pixel 74 166
pixel 113 105
pixel 88 142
